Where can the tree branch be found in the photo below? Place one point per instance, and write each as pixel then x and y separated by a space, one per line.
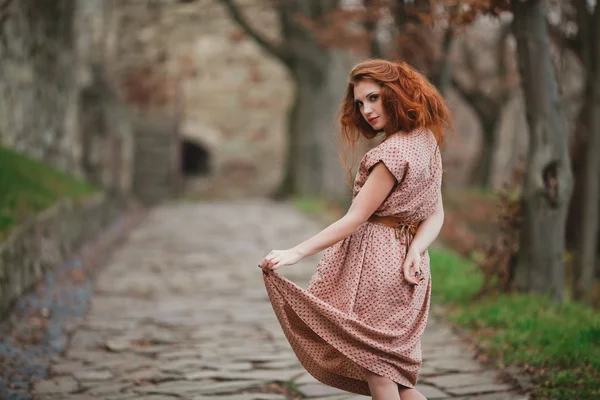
pixel 595 39
pixel 465 93
pixel 400 14
pixel 558 38
pixel 503 72
pixel 485 107
pixel 322 7
pixel 276 50
pixel 470 64
pixel 370 25
pixel 301 22
pixel 583 38
pixel 443 73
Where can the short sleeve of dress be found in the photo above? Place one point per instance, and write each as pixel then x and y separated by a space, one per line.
pixel 392 155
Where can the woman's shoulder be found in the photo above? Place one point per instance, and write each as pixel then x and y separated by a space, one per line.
pixel 393 141
pixel 390 146
pixel 402 141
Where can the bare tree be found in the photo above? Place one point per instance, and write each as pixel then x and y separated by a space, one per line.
pixel 416 42
pixel 487 104
pixel 586 45
pixel 371 9
pixel 312 166
pixel 548 180
pixel 583 219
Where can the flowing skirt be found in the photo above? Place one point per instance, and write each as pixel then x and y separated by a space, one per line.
pixel 358 312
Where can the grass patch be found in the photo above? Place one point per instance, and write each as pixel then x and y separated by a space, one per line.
pixel 558 344
pixel 455 280
pixel 311 205
pixel 28 186
pixel 327 211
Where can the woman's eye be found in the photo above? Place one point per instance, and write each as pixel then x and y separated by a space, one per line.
pixel 373 97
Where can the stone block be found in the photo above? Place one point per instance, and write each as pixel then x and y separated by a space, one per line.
pixel 47 239
pixel 61 385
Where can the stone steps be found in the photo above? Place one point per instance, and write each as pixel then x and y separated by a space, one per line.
pixel 156 171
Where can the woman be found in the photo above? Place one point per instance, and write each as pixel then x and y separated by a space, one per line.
pixel 358 324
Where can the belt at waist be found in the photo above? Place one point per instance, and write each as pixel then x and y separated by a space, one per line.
pixel 404 232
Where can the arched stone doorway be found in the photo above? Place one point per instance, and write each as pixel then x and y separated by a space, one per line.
pixel 195 159
pixel 198 158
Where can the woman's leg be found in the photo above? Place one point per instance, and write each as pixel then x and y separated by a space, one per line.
pixel 381 388
pixel 410 394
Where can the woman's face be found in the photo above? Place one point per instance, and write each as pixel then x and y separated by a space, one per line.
pixel 367 96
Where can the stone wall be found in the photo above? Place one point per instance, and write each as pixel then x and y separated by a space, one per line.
pixel 58 103
pixel 47 239
pixel 234 97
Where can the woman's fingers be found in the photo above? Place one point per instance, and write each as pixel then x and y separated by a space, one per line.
pixel 267 261
pixel 280 258
pixel 406 268
pixel 274 262
pixel 412 270
pixel 410 278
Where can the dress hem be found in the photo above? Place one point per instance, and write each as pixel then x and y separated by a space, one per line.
pixel 403 382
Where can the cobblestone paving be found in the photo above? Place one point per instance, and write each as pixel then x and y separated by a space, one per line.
pixel 181 312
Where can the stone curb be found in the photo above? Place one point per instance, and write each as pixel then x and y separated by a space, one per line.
pixel 48 238
pixel 60 299
pixel 517 375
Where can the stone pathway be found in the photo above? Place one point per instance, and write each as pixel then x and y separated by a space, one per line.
pixel 180 312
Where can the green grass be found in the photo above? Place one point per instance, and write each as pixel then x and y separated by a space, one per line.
pixel 559 344
pixel 310 205
pixel 456 280
pixel 28 186
pixel 326 211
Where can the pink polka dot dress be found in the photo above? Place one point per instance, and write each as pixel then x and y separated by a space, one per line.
pixel 358 312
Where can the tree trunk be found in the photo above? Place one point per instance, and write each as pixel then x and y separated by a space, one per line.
pixel 548 180
pixel 312 145
pixel 578 156
pixel 487 107
pixel 585 255
pixel 312 166
pixel 482 173
pixel 370 25
pixel 442 77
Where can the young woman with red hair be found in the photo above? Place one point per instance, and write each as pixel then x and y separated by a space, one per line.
pixel 358 324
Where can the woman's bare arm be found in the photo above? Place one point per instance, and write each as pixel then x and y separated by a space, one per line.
pixel 375 190
pixel 427 232
pixel 429 229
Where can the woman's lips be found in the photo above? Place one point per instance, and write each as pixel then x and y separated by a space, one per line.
pixel 373 120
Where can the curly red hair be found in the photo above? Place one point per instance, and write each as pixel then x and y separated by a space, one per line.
pixel 409 99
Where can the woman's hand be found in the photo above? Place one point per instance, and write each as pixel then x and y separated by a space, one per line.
pixel 280 258
pixel 412 266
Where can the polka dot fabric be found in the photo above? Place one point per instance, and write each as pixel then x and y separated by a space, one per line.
pixel 358 312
